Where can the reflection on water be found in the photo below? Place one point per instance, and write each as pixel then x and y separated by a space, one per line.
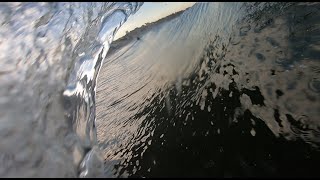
pixel 225 89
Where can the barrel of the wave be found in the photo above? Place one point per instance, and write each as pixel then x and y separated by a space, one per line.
pixel 80 92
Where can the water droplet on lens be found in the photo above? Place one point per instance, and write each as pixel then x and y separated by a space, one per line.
pixel 253 132
pixel 314 85
pixel 260 57
pixel 244 30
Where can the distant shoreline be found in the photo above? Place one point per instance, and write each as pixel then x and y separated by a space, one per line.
pixel 136 33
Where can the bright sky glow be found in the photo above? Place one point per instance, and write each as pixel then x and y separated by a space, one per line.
pixel 151 12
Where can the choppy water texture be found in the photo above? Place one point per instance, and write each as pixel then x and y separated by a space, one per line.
pixel 224 89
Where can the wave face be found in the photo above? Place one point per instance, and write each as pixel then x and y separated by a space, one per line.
pixel 224 89
pixel 51 54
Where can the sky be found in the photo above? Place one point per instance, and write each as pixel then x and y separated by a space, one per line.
pixel 151 12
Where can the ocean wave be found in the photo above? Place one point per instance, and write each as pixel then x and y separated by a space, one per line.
pixel 221 89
